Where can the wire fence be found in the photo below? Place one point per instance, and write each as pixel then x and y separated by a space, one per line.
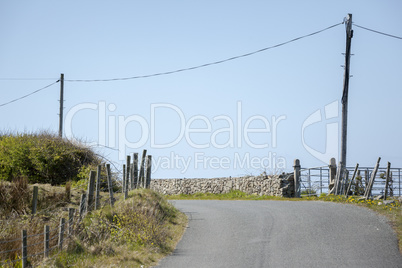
pixel 39 246
pixel 315 181
pixel 57 234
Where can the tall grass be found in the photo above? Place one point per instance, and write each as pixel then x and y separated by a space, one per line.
pixel 15 216
pixel 137 231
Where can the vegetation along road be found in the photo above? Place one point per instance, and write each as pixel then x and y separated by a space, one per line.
pixel 283 234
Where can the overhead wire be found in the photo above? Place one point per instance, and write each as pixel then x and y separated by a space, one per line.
pixel 202 65
pixel 26 79
pixel 206 64
pixel 36 91
pixel 386 34
pixel 164 73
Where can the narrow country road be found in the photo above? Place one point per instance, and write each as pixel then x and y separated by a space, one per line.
pixel 283 234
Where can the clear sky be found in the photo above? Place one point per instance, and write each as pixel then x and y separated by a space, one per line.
pixel 244 116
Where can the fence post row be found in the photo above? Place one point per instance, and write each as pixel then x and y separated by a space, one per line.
pixel 363 182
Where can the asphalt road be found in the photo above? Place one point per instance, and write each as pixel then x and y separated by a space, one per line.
pixel 283 234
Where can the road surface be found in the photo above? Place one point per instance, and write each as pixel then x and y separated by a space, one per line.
pixel 283 234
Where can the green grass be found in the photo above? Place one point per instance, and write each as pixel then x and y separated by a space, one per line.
pixel 232 195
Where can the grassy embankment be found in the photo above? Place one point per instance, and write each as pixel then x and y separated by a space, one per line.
pixel 135 232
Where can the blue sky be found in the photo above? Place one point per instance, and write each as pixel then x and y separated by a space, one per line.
pixel 184 119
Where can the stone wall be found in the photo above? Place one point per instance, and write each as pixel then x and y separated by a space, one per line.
pixel 277 185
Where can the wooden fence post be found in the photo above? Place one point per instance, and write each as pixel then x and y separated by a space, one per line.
pixel 109 183
pixel 71 212
pixel 142 169
pixel 34 199
pixel 46 241
pixel 148 173
pixel 133 181
pixel 345 182
pixel 371 182
pixel 296 175
pixel 98 180
pixel 359 183
pixel 123 190
pixel 332 175
pixel 387 180
pixel 128 165
pixel 91 188
pixel 351 180
pixel 61 233
pixel 134 177
pixel 24 248
pixel 82 204
pixel 338 179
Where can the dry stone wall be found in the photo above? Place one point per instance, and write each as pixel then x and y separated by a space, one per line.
pixel 277 185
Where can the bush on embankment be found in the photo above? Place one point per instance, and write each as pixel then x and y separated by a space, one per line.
pixel 44 158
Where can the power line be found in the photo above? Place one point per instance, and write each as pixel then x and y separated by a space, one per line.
pixel 36 91
pixel 26 79
pixel 206 64
pixel 202 65
pixel 368 29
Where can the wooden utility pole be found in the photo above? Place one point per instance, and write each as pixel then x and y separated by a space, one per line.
pixel 61 105
pixel 349 35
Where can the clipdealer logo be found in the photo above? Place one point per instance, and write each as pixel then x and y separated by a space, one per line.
pixel 330 112
pixel 238 132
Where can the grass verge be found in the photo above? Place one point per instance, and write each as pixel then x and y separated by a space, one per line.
pixel 232 195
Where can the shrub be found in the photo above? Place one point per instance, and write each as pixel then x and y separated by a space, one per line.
pixel 44 158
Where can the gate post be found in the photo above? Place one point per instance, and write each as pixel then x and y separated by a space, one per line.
pixel 332 175
pixel 296 175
